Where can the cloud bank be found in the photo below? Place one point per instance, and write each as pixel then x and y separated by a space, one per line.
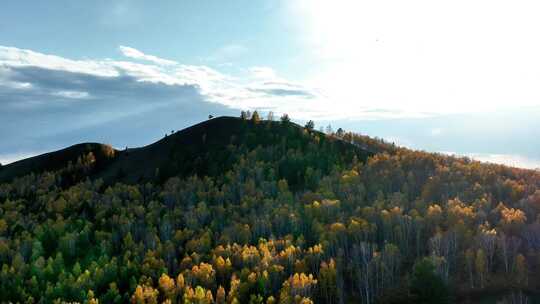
pixel 26 71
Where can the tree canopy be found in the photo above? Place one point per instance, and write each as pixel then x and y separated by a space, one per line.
pixel 279 214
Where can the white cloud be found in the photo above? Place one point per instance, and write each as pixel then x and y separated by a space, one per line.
pixel 136 54
pixel 16 85
pixel 257 88
pixel 512 160
pixel 260 88
pixel 426 56
pixel 15 57
pixel 72 94
pixel 508 159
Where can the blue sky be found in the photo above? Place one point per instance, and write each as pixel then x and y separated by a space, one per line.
pixel 459 77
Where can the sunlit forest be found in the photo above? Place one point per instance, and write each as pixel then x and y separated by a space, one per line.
pixel 281 213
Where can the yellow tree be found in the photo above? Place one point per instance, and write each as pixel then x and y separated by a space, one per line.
pixel 234 290
pixel 167 287
pixel 145 295
pixel 512 219
pixel 199 295
pixel 221 296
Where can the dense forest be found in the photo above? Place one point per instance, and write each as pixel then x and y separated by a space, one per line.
pixel 274 213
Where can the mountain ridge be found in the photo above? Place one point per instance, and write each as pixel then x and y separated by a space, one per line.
pixel 147 163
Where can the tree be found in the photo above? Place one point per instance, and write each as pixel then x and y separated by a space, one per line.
pixel 310 125
pixel 145 294
pixel 481 266
pixel 112 295
pixel 287 204
pixel 512 219
pixel 508 248
pixel 199 295
pixel 220 295
pixel 521 270
pixel 327 279
pixel 285 118
pixel 3 226
pixel 255 118
pixel 469 262
pixel 244 115
pixel 256 299
pixel 90 298
pixel 180 283
pixel 167 286
pixel 203 275
pixel 426 285
pixel 302 285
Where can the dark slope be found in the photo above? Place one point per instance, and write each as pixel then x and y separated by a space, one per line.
pixel 57 160
pixel 208 148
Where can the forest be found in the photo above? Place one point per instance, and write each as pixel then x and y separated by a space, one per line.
pixel 278 213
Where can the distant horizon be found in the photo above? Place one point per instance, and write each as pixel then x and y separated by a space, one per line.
pixel 502 159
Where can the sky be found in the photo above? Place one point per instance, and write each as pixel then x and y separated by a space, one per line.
pixel 458 77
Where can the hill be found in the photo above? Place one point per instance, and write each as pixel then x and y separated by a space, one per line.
pixel 245 211
pixel 57 160
pixel 201 149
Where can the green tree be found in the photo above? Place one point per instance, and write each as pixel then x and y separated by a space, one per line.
pixel 426 285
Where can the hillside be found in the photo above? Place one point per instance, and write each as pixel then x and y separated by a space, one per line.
pixel 54 161
pixel 201 149
pixel 245 211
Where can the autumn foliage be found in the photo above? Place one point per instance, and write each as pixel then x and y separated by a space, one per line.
pixel 295 221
